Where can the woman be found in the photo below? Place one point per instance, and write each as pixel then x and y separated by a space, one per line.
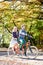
pixel 14 42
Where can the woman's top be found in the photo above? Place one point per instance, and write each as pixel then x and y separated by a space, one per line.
pixel 15 34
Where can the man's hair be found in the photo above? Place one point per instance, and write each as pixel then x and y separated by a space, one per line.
pixel 22 25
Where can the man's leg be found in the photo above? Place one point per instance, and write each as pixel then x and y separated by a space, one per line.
pixel 30 49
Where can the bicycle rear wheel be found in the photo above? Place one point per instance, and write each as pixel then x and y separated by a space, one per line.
pixel 32 52
pixel 10 52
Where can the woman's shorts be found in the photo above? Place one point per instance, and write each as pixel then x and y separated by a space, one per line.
pixel 13 42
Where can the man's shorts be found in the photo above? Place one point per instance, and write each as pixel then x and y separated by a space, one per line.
pixel 22 42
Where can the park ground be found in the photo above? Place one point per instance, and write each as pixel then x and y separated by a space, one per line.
pixel 17 60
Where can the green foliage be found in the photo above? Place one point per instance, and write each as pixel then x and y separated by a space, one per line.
pixel 19 14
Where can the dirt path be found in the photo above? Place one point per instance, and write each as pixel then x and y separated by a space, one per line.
pixel 5 60
pixel 21 60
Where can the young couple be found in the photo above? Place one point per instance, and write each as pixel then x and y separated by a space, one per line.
pixel 18 36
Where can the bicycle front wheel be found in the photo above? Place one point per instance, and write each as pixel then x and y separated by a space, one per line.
pixel 32 52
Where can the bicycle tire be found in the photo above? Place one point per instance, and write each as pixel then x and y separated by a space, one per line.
pixel 32 54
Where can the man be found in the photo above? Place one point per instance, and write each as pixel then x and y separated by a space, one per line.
pixel 22 34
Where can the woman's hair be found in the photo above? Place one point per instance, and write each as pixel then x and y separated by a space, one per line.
pixel 14 29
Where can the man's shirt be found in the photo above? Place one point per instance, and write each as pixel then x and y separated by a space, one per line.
pixel 22 34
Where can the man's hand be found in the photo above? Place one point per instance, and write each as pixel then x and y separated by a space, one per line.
pixel 31 36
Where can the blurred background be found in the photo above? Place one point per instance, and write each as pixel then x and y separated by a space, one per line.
pixel 16 12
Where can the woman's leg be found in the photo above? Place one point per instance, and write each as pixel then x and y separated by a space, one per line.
pixel 17 49
pixel 22 50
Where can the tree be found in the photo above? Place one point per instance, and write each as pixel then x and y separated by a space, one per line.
pixel 28 14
